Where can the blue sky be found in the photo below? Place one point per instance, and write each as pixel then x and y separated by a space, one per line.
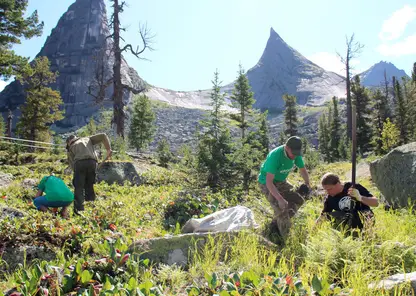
pixel 194 37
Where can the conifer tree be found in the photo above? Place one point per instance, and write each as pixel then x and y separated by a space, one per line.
pixel 379 117
pixel 42 105
pixel 390 136
pixel 323 137
pixel 142 128
pixel 401 114
pixel 14 27
pixel 414 73
pixel 291 119
pixel 361 99
pixel 264 133
pixel 335 131
pixel 214 145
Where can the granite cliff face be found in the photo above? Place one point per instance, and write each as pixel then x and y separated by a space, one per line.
pixel 283 70
pixel 78 49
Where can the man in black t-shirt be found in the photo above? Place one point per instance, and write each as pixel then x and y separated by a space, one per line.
pixel 345 203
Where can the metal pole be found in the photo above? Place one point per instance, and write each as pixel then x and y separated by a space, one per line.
pixel 354 142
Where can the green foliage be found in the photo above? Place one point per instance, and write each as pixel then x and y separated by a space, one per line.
pixel 402 116
pixel 379 117
pixel 361 99
pixel 335 132
pixel 310 155
pixel 15 26
pixel 264 133
pixel 390 136
pixel 142 126
pixel 242 99
pixel 214 146
pixel 291 119
pixel 164 154
pixel 42 106
pixel 323 137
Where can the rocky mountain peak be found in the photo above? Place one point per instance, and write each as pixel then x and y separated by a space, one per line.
pixel 374 76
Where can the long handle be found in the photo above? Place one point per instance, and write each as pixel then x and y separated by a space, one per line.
pixel 354 142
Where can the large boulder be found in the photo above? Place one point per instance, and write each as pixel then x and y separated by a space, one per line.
pixel 5 179
pixel 118 172
pixel 179 249
pixel 396 281
pixel 395 175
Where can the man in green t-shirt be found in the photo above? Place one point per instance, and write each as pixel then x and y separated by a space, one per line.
pixel 284 200
pixel 57 195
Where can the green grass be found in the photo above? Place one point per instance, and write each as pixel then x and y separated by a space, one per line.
pixel 312 256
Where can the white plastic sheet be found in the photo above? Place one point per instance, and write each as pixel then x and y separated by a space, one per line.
pixel 230 219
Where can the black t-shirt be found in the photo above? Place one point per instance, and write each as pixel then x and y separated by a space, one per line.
pixel 342 201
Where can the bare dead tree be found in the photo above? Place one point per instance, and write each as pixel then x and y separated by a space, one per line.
pixel 102 79
pixel 354 48
pixel 119 87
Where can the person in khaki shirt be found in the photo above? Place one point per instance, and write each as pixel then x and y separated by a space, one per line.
pixel 83 161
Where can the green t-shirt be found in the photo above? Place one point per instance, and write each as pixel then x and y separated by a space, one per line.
pixel 278 164
pixel 55 189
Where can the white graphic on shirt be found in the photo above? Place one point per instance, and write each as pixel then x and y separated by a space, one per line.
pixel 286 171
pixel 345 203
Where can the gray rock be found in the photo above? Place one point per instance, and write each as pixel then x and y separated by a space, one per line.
pixel 394 281
pixel 118 172
pixel 11 213
pixel 14 256
pixel 76 47
pixel 29 183
pixel 395 175
pixel 5 179
pixel 178 249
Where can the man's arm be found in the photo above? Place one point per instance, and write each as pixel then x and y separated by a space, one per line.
pixel 70 160
pixel 305 176
pixel 39 193
pixel 102 138
pixel 361 194
pixel 273 191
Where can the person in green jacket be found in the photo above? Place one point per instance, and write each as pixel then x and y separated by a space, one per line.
pixel 282 196
pixel 57 195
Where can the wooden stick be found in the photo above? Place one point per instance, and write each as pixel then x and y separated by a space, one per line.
pixel 354 143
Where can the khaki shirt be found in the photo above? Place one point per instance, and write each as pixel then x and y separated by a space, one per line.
pixel 83 148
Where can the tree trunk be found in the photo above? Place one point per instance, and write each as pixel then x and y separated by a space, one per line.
pixel 349 103
pixel 117 85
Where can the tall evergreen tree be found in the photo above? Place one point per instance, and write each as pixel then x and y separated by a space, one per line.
pixel 323 137
pixel 361 99
pixel 401 113
pixel 14 27
pixel 243 100
pixel 142 128
pixel 379 117
pixel 264 133
pixel 335 131
pixel 42 105
pixel 291 119
pixel 390 136
pixel 414 73
pixel 214 145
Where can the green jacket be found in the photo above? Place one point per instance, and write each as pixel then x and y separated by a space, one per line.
pixel 83 148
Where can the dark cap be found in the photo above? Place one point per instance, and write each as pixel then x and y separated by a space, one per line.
pixel 295 145
pixel 71 139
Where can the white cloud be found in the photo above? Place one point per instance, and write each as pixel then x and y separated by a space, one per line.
pixel 395 26
pixel 331 62
pixel 405 47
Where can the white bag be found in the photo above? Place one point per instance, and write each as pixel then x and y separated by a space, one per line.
pixel 230 219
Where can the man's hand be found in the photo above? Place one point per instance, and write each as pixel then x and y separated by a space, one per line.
pixel 354 193
pixel 282 203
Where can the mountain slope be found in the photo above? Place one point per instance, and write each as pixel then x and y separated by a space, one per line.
pixel 374 76
pixel 283 70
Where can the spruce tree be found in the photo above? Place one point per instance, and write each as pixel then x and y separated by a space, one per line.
pixel 401 114
pixel 42 104
pixel 14 27
pixel 361 99
pixel 214 145
pixel 335 131
pixel 323 137
pixel 414 73
pixel 379 117
pixel 291 119
pixel 264 133
pixel 243 100
pixel 390 136
pixel 142 127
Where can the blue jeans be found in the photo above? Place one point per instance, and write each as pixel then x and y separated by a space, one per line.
pixel 42 201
